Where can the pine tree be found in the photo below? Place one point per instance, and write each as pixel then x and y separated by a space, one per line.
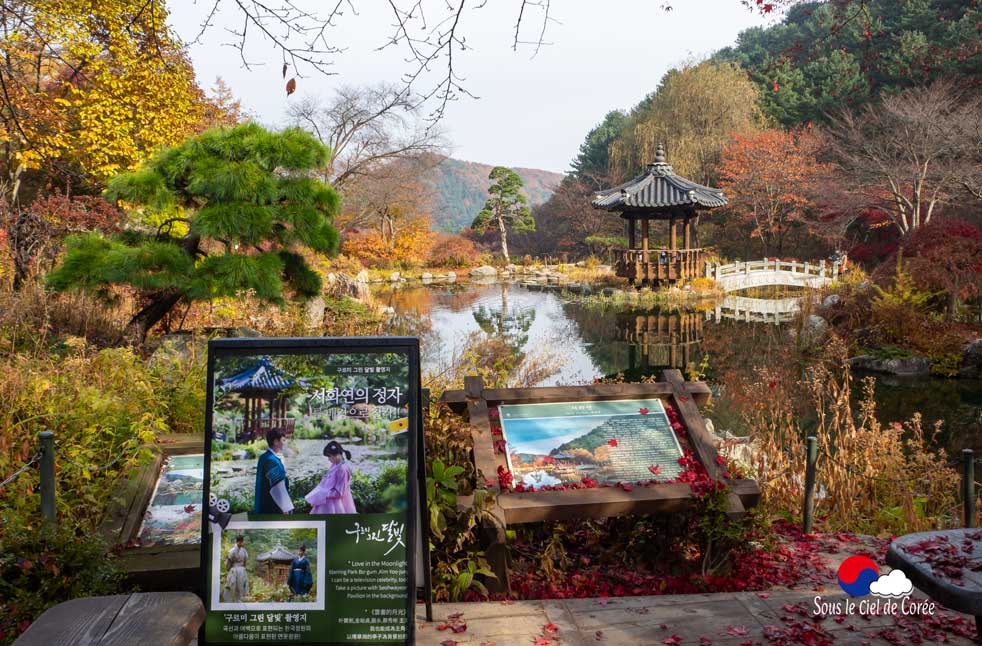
pixel 507 207
pixel 223 213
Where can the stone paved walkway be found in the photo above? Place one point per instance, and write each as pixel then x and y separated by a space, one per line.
pixel 725 619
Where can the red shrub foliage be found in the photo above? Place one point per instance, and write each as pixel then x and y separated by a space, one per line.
pixel 452 250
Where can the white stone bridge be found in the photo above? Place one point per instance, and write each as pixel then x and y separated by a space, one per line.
pixel 762 273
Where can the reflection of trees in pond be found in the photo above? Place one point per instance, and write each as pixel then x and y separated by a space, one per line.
pixel 510 326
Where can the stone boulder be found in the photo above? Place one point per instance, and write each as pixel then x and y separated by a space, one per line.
pixel 313 312
pixel 484 271
pixel 901 366
pixel 395 277
pixel 831 301
pixel 971 365
pixel 426 276
pixel 362 276
pixel 451 276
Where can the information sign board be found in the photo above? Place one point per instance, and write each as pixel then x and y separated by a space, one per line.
pixel 311 487
pixel 607 441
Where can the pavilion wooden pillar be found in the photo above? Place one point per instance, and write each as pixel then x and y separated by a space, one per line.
pixel 687 241
pixel 630 233
pixel 644 238
pixel 673 234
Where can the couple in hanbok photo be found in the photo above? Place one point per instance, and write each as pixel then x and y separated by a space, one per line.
pixel 333 494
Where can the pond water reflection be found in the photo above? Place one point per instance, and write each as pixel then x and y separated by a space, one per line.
pixel 726 342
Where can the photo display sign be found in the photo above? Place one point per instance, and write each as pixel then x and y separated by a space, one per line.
pixel 311 485
pixel 606 441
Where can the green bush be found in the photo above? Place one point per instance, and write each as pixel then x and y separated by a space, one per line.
pixel 381 494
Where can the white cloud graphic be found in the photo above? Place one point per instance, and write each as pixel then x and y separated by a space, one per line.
pixel 895 584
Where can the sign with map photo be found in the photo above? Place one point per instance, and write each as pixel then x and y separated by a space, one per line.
pixel 607 441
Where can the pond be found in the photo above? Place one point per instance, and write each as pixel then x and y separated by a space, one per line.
pixel 727 342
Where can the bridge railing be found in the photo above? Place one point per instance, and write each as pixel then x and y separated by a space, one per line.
pixel 820 269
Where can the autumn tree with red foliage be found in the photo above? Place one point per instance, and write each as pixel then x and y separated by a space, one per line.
pixel 947 255
pixel 36 233
pixel 769 178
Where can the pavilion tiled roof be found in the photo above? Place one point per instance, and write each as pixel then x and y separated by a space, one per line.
pixel 277 555
pixel 659 188
pixel 262 376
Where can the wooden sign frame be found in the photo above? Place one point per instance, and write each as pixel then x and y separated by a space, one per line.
pixel 527 507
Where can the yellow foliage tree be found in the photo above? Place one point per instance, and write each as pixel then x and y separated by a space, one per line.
pixel 89 87
pixel 694 111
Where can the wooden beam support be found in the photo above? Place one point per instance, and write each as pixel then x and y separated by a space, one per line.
pixel 687 233
pixel 672 234
pixel 699 436
pixel 631 242
pixel 644 238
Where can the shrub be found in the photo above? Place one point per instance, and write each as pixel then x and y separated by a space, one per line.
pixel 876 477
pixel 42 568
pixel 450 250
pixel 380 494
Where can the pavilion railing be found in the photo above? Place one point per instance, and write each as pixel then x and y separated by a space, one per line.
pixel 659 264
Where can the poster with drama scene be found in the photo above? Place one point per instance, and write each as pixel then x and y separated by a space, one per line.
pixel 310 476
pixel 606 441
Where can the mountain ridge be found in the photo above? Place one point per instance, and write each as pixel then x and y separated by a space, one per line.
pixel 460 189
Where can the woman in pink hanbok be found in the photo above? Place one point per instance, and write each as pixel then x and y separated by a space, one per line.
pixel 333 494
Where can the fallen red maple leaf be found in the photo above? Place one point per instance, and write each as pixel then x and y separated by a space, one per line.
pixel 612 442
pixel 656 469
pixel 643 411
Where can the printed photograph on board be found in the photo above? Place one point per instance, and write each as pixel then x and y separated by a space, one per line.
pixel 270 565
pixel 310 434
pixel 606 441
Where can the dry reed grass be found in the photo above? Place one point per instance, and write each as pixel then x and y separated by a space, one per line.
pixel 872 477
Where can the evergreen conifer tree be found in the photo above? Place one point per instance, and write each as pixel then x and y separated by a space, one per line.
pixel 506 208
pixel 225 212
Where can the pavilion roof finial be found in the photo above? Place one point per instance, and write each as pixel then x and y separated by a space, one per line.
pixel 660 153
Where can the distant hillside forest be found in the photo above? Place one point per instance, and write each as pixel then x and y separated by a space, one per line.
pixel 460 189
pixel 792 122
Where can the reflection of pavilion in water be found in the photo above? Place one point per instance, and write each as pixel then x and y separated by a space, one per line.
pixel 660 340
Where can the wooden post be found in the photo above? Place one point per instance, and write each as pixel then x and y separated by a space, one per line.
pixel 673 234
pixel 496 550
pixel 47 486
pixel 968 486
pixel 644 239
pixel 630 234
pixel 811 458
pixel 687 233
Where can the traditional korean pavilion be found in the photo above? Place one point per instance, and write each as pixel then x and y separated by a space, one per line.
pixel 660 194
pixel 276 565
pixel 261 388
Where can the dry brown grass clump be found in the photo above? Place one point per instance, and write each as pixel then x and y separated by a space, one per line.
pixel 872 477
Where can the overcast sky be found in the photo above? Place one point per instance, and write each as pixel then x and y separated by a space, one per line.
pixel 531 112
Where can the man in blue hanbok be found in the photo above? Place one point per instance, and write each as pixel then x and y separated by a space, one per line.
pixel 272 496
pixel 300 579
